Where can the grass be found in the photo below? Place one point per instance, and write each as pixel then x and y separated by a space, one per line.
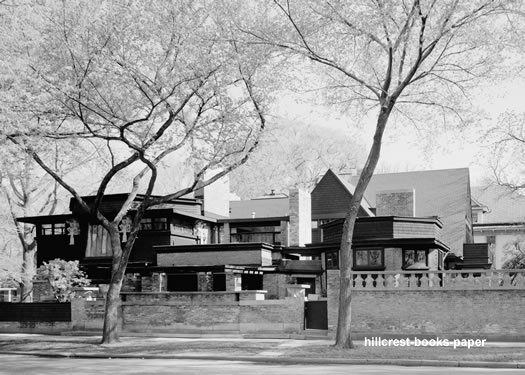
pixel 240 347
pixel 492 354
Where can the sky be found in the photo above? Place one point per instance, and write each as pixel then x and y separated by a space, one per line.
pixel 403 150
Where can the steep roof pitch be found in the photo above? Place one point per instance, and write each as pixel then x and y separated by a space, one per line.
pixel 331 197
pixel 503 206
pixel 444 193
pixel 262 208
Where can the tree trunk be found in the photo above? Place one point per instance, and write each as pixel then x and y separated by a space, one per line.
pixel 28 272
pixel 110 332
pixel 121 254
pixel 344 320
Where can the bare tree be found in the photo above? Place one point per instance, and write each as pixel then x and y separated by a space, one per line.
pixel 28 191
pixel 385 55
pixel 507 159
pixel 143 81
pixel 295 154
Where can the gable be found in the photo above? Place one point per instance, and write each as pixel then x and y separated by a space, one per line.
pixel 331 198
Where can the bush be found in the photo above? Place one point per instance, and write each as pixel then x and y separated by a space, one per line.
pixel 63 276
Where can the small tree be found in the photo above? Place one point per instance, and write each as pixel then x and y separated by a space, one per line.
pixel 63 276
pixel 516 254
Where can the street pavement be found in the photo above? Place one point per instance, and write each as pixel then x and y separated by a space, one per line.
pixel 21 365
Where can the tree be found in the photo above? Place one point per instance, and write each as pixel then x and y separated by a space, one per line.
pixel 27 191
pixel 63 276
pixel 516 254
pixel 508 152
pixel 143 82
pixel 387 55
pixel 294 154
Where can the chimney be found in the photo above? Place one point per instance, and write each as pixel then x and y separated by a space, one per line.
pixel 396 203
pixel 216 196
pixel 300 212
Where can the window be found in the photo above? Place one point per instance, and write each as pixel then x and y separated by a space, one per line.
pixel 254 233
pixel 54 229
pixel 332 260
pixel 47 229
pixel 365 259
pixel 415 259
pixel 154 223
pixel 59 228
pixel 160 223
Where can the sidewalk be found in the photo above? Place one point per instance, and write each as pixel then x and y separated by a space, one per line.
pixel 497 355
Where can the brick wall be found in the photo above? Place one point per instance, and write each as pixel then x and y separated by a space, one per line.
pixel 393 259
pixel 157 282
pixel 300 211
pixel 42 291
pixel 211 311
pixel 395 203
pixel 488 313
pixel 275 285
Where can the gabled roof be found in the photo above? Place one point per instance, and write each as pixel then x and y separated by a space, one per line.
pixel 504 206
pixel 350 187
pixel 331 197
pixel 444 193
pixel 259 208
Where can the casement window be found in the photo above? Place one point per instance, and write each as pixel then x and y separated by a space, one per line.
pixel 332 260
pixel 56 229
pixel 369 259
pixel 415 259
pixel 154 223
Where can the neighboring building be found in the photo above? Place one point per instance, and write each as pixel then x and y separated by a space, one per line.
pixel 500 221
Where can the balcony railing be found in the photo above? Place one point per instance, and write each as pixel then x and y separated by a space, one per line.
pixel 444 280
pixel 267 237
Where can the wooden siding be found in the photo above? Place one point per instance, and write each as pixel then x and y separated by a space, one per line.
pixel 403 229
pixel 330 198
pixel 143 247
pixel 57 246
pixel 382 228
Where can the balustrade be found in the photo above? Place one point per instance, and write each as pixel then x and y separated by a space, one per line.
pixel 450 279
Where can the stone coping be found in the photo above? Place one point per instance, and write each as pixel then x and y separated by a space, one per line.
pixel 197 293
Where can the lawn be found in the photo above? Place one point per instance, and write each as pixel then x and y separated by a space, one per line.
pixel 253 348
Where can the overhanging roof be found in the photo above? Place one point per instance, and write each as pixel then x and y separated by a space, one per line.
pixel 237 246
pixel 44 219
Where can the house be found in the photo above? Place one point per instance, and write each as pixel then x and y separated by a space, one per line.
pixel 408 220
pixel 411 221
pixel 499 220
pixel 187 241
pixel 74 236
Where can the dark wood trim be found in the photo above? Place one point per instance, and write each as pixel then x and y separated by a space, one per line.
pixel 255 220
pixel 239 246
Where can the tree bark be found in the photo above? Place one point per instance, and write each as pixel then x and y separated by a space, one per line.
pixel 110 333
pixel 344 320
pixel 28 272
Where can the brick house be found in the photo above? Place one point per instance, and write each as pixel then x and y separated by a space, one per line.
pixel 411 220
pixel 206 243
